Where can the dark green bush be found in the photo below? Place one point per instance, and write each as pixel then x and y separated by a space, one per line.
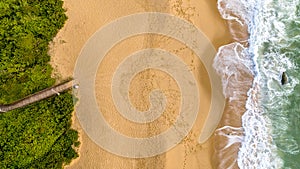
pixel 39 135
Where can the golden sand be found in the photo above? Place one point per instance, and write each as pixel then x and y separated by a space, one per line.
pixel 87 16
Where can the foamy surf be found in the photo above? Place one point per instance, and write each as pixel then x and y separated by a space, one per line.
pixel 268 42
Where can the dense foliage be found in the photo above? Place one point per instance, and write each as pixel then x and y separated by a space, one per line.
pixel 39 135
pixel 26 28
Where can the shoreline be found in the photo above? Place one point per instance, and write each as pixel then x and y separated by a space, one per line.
pixel 237 83
pixel 66 47
pixel 269 105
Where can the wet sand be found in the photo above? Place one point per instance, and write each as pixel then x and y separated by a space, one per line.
pixel 86 17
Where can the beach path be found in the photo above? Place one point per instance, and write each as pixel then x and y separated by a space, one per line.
pixel 41 95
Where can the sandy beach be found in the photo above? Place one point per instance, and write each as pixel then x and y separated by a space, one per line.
pixel 85 17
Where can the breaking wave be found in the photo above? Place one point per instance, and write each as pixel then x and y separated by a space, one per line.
pixel 260 76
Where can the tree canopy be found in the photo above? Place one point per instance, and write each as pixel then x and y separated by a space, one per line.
pixel 39 135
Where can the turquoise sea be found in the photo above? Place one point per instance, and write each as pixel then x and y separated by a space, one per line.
pixel 271 123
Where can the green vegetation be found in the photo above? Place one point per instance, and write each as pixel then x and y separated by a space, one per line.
pixel 39 135
pixel 26 28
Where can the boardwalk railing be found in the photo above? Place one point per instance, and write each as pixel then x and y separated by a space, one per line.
pixel 37 96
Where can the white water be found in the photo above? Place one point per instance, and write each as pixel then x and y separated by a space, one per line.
pixel 235 67
pixel 258 149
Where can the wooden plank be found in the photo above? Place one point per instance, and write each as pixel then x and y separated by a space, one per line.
pixel 41 95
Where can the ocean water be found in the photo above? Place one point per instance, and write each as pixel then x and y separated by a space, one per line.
pixel 267 34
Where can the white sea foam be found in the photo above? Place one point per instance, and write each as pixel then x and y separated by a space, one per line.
pixel 271 29
pixel 257 149
pixel 235 67
pixel 238 16
pixel 265 25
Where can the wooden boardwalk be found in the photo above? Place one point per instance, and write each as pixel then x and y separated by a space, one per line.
pixel 55 90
